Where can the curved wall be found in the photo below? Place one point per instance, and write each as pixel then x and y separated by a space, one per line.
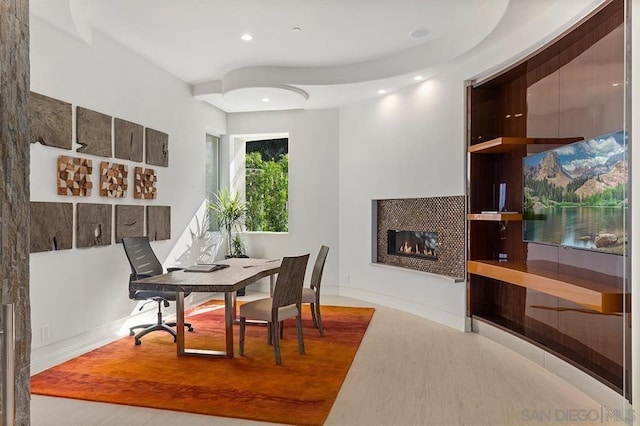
pixel 411 144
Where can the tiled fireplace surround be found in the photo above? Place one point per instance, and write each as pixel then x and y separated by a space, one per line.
pixel 442 215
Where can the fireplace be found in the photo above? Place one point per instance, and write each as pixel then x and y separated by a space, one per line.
pixel 418 244
pixel 440 220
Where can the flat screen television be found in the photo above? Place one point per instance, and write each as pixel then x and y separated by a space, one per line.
pixel 576 195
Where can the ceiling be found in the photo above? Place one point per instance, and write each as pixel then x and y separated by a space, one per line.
pixel 304 53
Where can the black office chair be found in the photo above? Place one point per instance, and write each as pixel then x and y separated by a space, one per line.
pixel 144 263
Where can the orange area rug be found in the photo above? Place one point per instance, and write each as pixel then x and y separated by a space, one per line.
pixel 301 391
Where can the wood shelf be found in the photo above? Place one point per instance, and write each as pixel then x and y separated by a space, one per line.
pixel 594 295
pixel 499 145
pixel 495 216
pixel 507 144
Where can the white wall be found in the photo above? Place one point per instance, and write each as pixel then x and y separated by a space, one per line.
pixel 313 184
pixel 81 295
pixel 400 146
pixel 410 144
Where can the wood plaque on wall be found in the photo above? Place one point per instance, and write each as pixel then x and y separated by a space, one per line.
pixel 74 176
pixel 50 121
pixel 158 223
pixel 128 140
pixel 51 226
pixel 129 222
pixel 113 180
pixel 93 132
pixel 157 148
pixel 93 225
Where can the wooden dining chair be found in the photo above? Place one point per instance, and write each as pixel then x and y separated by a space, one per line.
pixel 311 294
pixel 285 303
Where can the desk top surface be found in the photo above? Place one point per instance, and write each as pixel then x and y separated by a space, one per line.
pixel 240 273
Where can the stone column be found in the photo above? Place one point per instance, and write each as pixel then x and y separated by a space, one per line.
pixel 14 187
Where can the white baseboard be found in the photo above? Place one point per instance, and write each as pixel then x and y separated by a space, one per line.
pixel 60 351
pixel 411 306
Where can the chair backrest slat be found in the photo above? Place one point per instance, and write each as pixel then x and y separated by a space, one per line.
pixel 288 289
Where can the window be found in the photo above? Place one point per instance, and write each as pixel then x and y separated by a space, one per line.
pixel 212 175
pixel 267 185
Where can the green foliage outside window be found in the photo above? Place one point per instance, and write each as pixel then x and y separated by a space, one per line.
pixel 267 193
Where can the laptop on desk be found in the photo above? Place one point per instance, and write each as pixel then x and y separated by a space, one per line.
pixel 206 268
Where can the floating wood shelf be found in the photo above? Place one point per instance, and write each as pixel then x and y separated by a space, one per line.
pixel 495 216
pixel 594 295
pixel 506 144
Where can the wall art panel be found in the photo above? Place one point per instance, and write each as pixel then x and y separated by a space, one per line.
pixel 74 176
pixel 129 222
pixel 93 225
pixel 51 226
pixel 144 183
pixel 128 140
pixel 158 223
pixel 51 121
pixel 93 132
pixel 157 148
pixel 113 180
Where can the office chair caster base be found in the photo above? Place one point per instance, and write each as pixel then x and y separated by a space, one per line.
pixel 186 324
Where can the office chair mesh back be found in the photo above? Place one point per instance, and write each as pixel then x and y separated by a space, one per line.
pixel 142 259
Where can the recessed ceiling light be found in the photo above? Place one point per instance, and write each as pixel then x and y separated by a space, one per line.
pixel 247 37
pixel 296 29
pixel 418 78
pixel 266 100
pixel 419 33
pixel 382 91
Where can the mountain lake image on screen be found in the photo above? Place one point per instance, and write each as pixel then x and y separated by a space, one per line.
pixel 576 195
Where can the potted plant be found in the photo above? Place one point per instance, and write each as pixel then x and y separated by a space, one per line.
pixel 238 248
pixel 230 212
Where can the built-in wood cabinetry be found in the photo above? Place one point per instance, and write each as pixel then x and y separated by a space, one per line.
pixel 570 302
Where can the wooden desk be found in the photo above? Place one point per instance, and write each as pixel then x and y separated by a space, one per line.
pixel 239 274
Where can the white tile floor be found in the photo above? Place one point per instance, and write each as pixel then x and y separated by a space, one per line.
pixel 408 371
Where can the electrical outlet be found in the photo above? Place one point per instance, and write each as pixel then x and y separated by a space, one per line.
pixel 44 333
